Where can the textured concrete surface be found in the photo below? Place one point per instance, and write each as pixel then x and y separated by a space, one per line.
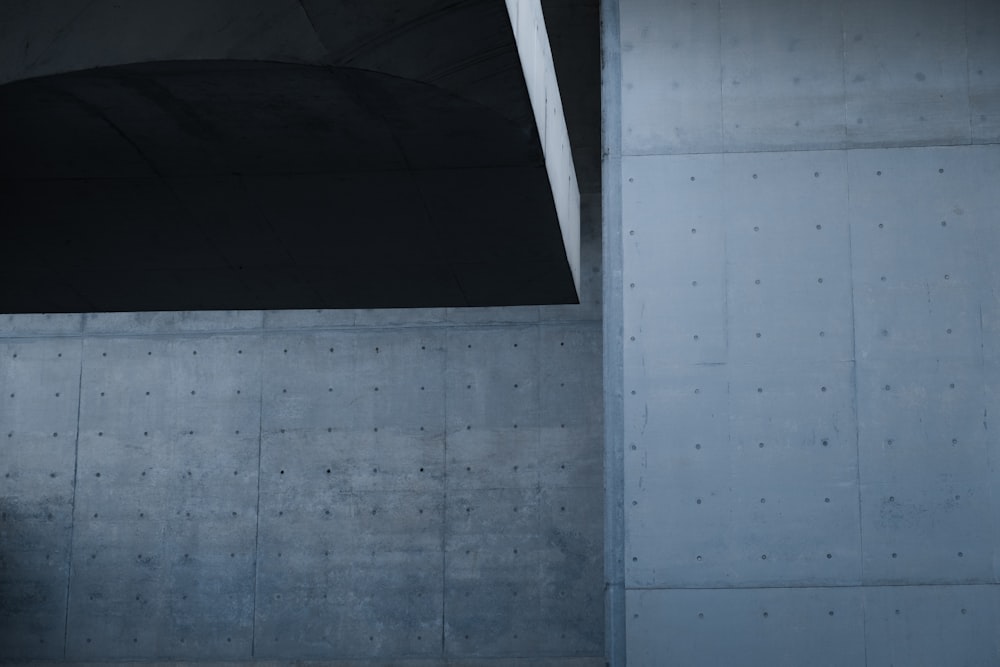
pixel 404 485
pixel 809 294
pixel 397 487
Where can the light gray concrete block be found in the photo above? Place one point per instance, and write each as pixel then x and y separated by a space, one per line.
pixel 173 322
pixel 492 378
pixel 992 409
pixel 674 224
pixel 570 448
pixel 355 381
pixel 783 75
pixel 918 214
pixel 166 495
pixel 925 503
pixel 931 625
pixel 787 243
pixel 571 556
pixel 983 33
pixel 777 626
pixel 807 467
pixel 671 64
pixel 143 587
pixel 488 608
pixel 906 74
pixel 677 450
pixel 40 324
pixel 39 394
pixel 485 458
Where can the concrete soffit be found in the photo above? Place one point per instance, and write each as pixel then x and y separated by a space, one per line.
pixel 543 90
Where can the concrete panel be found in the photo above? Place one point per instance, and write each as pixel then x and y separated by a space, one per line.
pixel 354 383
pixel 149 588
pixel 793 435
pixel 673 209
pixel 492 378
pixel 926 514
pixel 792 306
pixel 906 73
pixel 783 83
pixel 571 414
pixel 902 324
pixel 983 30
pixel 535 54
pixel 932 625
pixel 34 324
pixel 492 539
pixel 992 400
pixel 571 557
pixel 778 626
pixel 742 506
pixel 918 215
pixel 39 398
pixel 678 478
pixel 671 90
pixel 344 573
pixel 166 497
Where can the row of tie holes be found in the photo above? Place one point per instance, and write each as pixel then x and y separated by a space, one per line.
pixel 284 351
pixel 765 614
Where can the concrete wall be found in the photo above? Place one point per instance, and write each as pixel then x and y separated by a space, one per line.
pixel 406 487
pixel 805 254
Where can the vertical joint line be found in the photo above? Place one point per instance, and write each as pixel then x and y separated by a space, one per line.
pixel 444 506
pixel 854 395
pixel 722 85
pixel 968 70
pixel 256 538
pixel 72 519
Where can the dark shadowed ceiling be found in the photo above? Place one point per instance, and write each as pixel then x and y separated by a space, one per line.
pixel 391 161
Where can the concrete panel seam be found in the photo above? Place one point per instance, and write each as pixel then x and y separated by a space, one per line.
pixel 964 584
pixel 854 386
pixel 793 149
pixel 968 73
pixel 372 328
pixel 256 538
pixel 72 525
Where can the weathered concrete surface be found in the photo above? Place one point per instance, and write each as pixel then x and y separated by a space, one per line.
pixel 809 294
pixel 410 484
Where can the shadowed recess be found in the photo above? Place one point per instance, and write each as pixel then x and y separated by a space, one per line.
pixel 244 185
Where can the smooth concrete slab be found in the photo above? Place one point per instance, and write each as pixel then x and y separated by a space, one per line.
pixel 39 392
pixel 906 74
pixel 776 626
pixel 919 215
pixel 364 581
pixel 168 456
pixel 781 305
pixel 983 27
pixel 783 86
pixel 675 218
pixel 924 471
pixel 247 491
pixel 671 91
pixel 928 625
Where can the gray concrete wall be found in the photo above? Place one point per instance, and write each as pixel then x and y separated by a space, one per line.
pixel 807 241
pixel 407 487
